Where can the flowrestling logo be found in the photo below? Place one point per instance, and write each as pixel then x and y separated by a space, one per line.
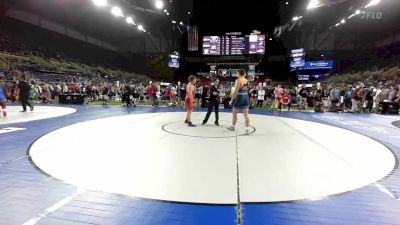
pixel 368 15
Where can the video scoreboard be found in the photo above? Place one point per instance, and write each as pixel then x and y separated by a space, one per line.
pixel 234 45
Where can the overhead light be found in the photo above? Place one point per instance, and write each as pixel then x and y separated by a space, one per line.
pixel 358 12
pixel 372 3
pixel 313 4
pixel 287 3
pixel 159 4
pixel 101 3
pixel 173 21
pixel 167 13
pixel 270 39
pixel 188 12
pixel 343 21
pixel 140 27
pixel 295 18
pixel 181 23
pixel 352 15
pixel 336 25
pixel 165 10
pixel 144 30
pixel 129 20
pixel 116 11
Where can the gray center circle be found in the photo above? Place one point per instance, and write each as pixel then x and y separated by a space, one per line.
pixel 206 170
pixel 396 123
pixel 206 131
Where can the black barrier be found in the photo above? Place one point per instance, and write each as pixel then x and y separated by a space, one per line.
pixel 71 99
pixel 389 107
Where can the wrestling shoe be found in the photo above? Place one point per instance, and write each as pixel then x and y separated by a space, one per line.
pixel 190 124
pixel 231 128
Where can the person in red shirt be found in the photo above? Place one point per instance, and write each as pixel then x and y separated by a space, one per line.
pixel 156 90
pixel 286 100
pixel 14 95
pixel 168 94
pixel 189 100
pixel 356 100
pixel 150 94
pixel 72 88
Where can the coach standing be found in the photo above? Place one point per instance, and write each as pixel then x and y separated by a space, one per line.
pixel 24 91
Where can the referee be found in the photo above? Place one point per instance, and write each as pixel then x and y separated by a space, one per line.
pixel 214 102
pixel 24 92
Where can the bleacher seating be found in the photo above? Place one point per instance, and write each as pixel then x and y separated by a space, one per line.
pixel 28 48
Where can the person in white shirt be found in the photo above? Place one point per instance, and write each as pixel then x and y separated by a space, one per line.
pixel 65 88
pixel 377 97
pixel 260 97
pixel 59 89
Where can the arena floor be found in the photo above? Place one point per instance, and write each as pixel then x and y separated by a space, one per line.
pixel 113 165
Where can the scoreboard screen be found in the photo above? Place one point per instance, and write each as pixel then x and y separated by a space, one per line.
pixel 234 45
pixel 173 61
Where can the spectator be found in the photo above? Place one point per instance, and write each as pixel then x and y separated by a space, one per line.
pixel 356 100
pixel 260 97
pixel 335 99
pixel 369 100
pixel 278 92
pixel 347 98
pixel 198 94
pixel 286 101
pixel 303 95
pixel 396 97
pixel 253 97
pixel 168 95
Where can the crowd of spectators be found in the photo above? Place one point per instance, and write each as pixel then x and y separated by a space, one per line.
pixel 359 96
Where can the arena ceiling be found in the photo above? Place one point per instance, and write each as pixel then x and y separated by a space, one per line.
pixel 212 16
pixel 333 11
pixel 84 16
pixel 215 16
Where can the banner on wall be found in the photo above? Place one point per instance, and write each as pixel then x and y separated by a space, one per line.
pixel 326 64
pixel 251 72
pixel 251 75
